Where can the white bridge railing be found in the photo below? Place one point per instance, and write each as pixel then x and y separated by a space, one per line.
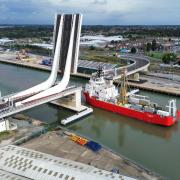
pixel 38 102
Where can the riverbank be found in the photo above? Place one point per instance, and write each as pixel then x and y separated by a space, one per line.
pixel 156 88
pixel 38 67
pixel 59 144
pixel 25 125
pixel 144 86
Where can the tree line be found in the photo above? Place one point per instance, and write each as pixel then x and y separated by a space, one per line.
pixel 35 31
pixel 29 31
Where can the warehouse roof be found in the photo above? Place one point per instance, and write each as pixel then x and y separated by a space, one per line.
pixel 25 163
pixel 95 65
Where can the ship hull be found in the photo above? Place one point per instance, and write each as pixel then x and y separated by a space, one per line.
pixel 139 115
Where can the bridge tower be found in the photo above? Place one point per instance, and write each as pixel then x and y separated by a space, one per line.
pixel 67 26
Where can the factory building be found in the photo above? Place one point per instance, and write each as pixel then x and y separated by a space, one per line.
pixel 20 164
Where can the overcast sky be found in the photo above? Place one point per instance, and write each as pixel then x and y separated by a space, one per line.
pixel 104 12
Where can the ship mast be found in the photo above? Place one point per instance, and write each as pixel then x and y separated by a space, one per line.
pixel 123 89
pixel 100 71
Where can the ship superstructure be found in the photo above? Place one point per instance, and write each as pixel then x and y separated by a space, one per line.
pixel 102 88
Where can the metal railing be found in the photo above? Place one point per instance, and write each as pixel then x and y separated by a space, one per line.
pixel 139 64
pixel 16 109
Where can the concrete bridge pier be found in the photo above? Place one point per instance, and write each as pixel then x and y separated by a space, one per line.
pixel 72 101
pixel 145 71
pixel 76 99
pixel 134 77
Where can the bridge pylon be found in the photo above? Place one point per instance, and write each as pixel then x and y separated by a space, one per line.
pixel 67 26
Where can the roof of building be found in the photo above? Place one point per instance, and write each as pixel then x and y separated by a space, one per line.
pixel 4 175
pixel 21 163
pixel 43 45
pixel 5 40
pixel 95 65
pixel 98 40
pixel 103 38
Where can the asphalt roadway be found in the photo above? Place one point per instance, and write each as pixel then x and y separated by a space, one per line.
pixel 138 63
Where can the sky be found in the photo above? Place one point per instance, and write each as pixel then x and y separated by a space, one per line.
pixel 95 12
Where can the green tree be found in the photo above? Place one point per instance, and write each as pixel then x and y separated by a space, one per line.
pixel 129 36
pixel 92 48
pixel 154 45
pixel 133 50
pixel 169 57
pixel 148 47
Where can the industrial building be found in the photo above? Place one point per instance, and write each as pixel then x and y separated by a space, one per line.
pixel 19 163
pixel 4 125
pixel 6 41
pixel 99 40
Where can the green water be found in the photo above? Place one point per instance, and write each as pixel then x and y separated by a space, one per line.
pixel 155 147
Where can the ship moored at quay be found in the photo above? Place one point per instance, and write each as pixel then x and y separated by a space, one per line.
pixel 102 93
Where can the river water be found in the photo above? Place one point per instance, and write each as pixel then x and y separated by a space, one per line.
pixel 155 147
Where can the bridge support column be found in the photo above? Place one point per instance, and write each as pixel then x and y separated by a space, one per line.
pixel 134 77
pixel 77 99
pixel 72 101
pixel 145 71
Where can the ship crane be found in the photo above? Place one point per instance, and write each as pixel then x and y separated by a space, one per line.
pixel 123 89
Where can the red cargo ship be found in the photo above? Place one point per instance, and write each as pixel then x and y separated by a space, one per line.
pixel 102 93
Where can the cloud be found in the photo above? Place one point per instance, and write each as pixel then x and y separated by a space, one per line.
pixel 100 2
pixel 122 12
